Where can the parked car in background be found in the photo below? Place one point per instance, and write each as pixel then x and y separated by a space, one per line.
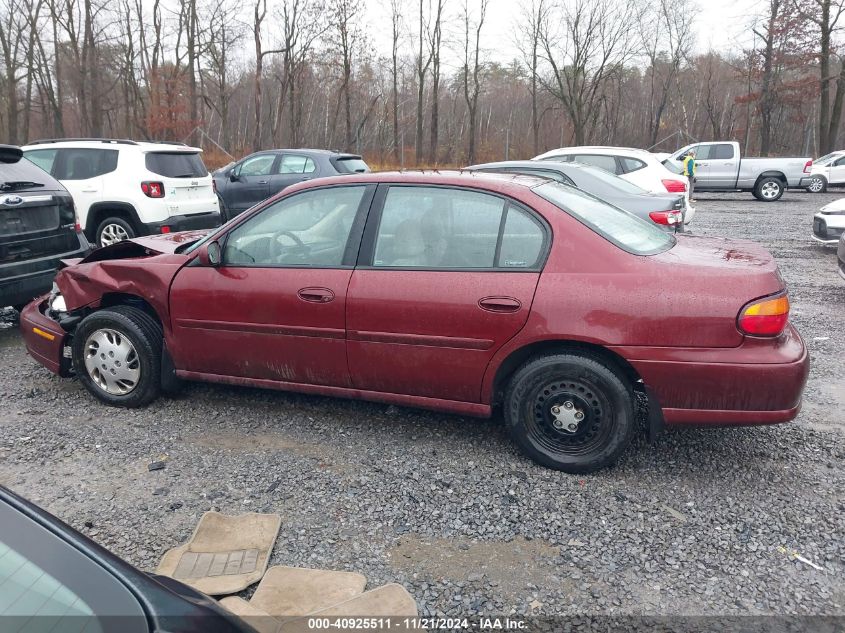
pixel 56 579
pixel 124 188
pixel 255 178
pixel 829 222
pixel 666 210
pixel 840 255
pixel 829 170
pixel 450 291
pixel 634 165
pixel 720 167
pixel 38 228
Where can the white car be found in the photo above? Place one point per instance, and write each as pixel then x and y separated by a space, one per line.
pixel 124 188
pixel 829 223
pixel 827 170
pixel 634 165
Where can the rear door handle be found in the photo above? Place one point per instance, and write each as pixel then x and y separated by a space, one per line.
pixel 316 295
pixel 263 182
pixel 500 304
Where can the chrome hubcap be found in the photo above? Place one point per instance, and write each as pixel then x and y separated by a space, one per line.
pixel 112 362
pixel 566 417
pixel 113 233
pixel 770 190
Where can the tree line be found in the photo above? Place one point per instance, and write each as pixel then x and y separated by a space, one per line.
pixel 419 84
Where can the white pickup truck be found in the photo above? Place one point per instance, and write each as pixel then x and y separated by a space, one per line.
pixel 719 167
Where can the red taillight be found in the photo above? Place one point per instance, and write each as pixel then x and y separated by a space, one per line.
pixel 153 189
pixel 78 227
pixel 666 218
pixel 764 317
pixel 165 229
pixel 674 186
pixel 808 167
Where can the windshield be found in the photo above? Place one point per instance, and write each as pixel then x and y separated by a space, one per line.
pixel 624 229
pixel 176 164
pixel 614 181
pixel 828 158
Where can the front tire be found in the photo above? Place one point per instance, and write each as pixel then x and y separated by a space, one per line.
pixel 768 189
pixel 570 412
pixel 818 184
pixel 117 356
pixel 113 230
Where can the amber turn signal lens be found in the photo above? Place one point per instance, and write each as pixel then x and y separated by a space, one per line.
pixel 764 317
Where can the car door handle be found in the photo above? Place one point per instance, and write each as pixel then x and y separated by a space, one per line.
pixel 499 304
pixel 89 191
pixel 263 182
pixel 316 295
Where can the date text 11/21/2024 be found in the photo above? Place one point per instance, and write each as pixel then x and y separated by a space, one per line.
pixel 416 623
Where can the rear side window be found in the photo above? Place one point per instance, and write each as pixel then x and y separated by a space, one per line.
pixel 44 158
pixel 608 163
pixel 437 228
pixel 83 163
pixel 631 164
pixel 292 164
pixel 176 164
pixel 722 151
pixel 350 165
pixel 619 227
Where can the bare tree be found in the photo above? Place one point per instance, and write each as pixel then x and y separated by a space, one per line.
pixel 530 29
pixel 435 43
pixel 423 62
pixel 472 73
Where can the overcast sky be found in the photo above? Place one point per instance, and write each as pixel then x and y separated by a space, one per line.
pixel 720 25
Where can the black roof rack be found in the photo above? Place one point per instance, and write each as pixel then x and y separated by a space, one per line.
pixel 122 141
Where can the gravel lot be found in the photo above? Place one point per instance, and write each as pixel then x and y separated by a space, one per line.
pixel 694 524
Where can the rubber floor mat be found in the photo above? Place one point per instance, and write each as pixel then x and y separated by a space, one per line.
pixel 225 554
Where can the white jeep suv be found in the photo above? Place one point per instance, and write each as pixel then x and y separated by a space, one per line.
pixel 124 188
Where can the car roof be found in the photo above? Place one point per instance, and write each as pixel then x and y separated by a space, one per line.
pixel 602 149
pixel 534 164
pixel 111 143
pixel 457 178
pixel 307 150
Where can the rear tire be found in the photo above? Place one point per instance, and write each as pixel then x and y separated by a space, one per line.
pixel 544 400
pixel 769 189
pixel 113 230
pixel 818 184
pixel 117 356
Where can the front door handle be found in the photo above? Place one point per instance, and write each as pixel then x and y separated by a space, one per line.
pixel 263 182
pixel 316 295
pixel 500 304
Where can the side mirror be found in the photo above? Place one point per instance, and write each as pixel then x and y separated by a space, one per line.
pixel 209 255
pixel 233 175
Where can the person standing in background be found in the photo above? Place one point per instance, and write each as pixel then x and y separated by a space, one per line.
pixel 689 171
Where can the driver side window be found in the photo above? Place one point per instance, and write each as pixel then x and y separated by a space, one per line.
pixel 257 165
pixel 308 229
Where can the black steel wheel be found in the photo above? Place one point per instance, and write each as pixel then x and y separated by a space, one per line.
pixel 570 412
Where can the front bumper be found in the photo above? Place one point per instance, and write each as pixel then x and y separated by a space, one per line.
pixel 176 223
pixel 21 281
pixel 759 382
pixel 44 338
pixel 823 231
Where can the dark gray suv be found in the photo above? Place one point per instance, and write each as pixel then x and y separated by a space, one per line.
pixel 258 176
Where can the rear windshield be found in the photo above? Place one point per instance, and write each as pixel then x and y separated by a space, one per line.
pixel 351 165
pixel 624 229
pixel 25 171
pixel 176 164
pixel 613 181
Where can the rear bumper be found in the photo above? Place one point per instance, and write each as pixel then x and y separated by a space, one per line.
pixel 21 281
pixel 44 338
pixel 759 382
pixel 176 223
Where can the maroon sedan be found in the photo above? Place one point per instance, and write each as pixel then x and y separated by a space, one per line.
pixel 456 292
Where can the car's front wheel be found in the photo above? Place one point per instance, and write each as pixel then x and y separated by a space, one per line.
pixel 117 356
pixel 570 412
pixel 818 184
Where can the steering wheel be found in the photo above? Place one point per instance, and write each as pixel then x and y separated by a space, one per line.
pixel 298 242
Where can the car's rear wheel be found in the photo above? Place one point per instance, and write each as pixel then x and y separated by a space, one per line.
pixel 113 230
pixel 818 184
pixel 570 412
pixel 117 356
pixel 768 189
